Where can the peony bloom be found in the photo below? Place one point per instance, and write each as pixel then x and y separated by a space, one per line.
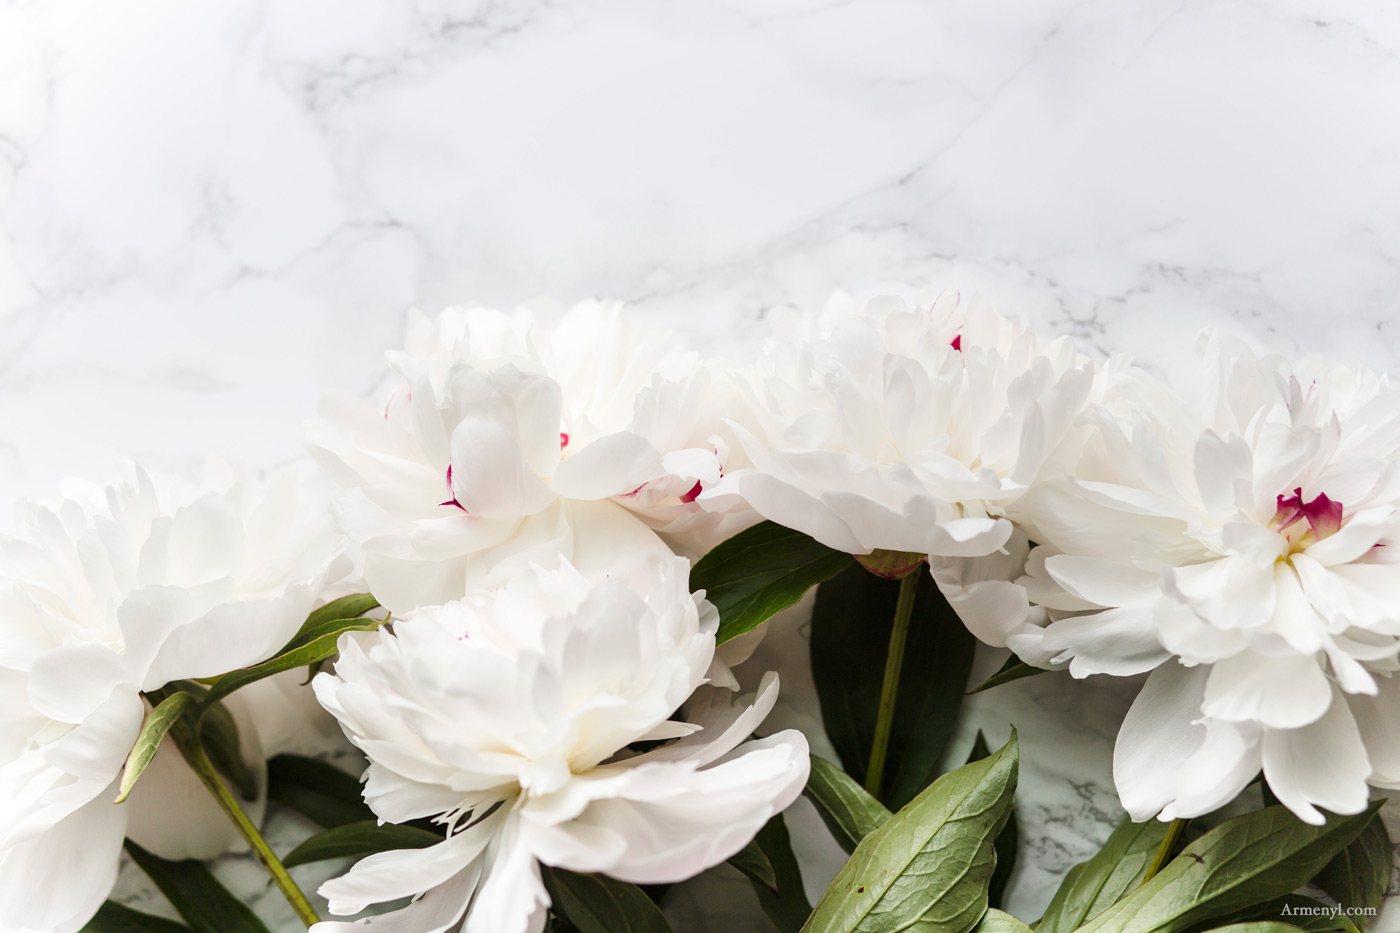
pixel 507 439
pixel 108 595
pixel 913 430
pixel 1247 557
pixel 511 718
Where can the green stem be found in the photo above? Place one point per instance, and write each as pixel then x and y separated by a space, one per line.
pixel 1164 851
pixel 204 768
pixel 894 664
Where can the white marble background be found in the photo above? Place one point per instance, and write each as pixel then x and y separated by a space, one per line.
pixel 211 212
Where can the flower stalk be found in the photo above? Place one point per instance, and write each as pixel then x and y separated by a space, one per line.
pixel 199 762
pixel 1164 851
pixel 894 665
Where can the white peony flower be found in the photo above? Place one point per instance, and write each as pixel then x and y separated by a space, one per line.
pixel 508 439
pixel 103 597
pixel 509 717
pixel 910 429
pixel 1248 559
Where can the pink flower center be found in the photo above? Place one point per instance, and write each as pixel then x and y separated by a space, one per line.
pixel 1304 523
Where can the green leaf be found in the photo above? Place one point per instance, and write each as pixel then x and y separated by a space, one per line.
pixel 346 607
pixel 1093 886
pixel 599 904
pixel 851 624
pixel 312 644
pixel 761 571
pixel 1013 669
pixel 1252 858
pixel 1259 926
pixel 112 917
pixel 320 792
pixel 218 733
pixel 356 840
pixel 1008 841
pixel 927 868
pixel 752 862
pixel 847 808
pixel 1359 875
pixel 786 903
pixel 996 921
pixel 196 895
pixel 153 729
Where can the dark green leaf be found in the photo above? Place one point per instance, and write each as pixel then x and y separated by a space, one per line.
pixel 1013 669
pixel 313 643
pixel 1008 841
pixel 847 808
pixel 112 917
pixel 219 735
pixel 761 571
pixel 1360 874
pixel 196 895
pixel 321 792
pixel 927 868
pixel 356 840
pixel 787 905
pixel 851 625
pixel 995 921
pixel 599 904
pixel 1252 858
pixel 153 729
pixel 1259 926
pixel 752 862
pixel 1093 886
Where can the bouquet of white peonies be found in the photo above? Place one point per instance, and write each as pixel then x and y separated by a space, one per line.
pixel 526 582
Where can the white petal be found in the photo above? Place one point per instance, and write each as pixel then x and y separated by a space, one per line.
pixel 1102 581
pixel 1228 593
pixel 1283 692
pixel 792 508
pixel 387 876
pixel 1216 773
pixel 434 912
pixel 70 682
pixel 1158 736
pixel 723 721
pixel 1254 543
pixel 1378 720
pixel 610 466
pixel 679 821
pixel 991 610
pixel 512 898
pixel 1121 641
pixel 489 476
pixel 56 881
pixel 1323 764
pixel 1220 467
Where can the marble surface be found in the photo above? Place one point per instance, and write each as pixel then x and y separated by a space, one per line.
pixel 211 213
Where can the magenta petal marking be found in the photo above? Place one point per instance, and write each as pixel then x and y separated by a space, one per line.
pixel 1288 511
pixel 563 440
pixel 957 343
pixel 453 500
pixel 692 493
pixel 1323 515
